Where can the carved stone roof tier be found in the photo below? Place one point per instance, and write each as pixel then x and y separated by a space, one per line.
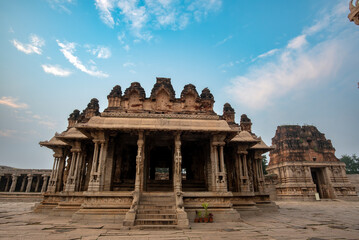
pixel 54 142
pixel 135 87
pixel 72 133
pixel 115 92
pixel 206 94
pixel 156 124
pixel 245 137
pixel 261 146
pixel 165 85
pixel 188 89
pixel 296 143
pixel 75 115
pixel 354 11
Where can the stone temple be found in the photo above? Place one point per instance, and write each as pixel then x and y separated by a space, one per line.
pixel 305 164
pixel 153 161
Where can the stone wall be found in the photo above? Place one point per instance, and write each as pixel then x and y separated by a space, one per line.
pixel 354 179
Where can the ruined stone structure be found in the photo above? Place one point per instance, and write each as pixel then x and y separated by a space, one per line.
pixel 15 180
pixel 152 161
pixel 305 164
pixel 354 11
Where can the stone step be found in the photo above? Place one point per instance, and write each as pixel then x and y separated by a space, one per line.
pixel 155 221
pixel 155 227
pixel 155 211
pixel 156 216
pixel 155 207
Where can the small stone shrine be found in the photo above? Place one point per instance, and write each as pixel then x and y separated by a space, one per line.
pixel 305 164
pixel 152 161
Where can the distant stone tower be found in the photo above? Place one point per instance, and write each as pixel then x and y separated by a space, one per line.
pixel 305 163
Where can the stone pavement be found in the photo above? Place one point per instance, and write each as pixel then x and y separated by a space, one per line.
pixel 294 220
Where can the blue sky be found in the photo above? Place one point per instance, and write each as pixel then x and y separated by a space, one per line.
pixel 280 62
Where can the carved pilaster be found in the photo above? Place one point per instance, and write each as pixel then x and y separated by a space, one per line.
pixel 14 182
pixel 44 183
pixel 98 162
pixel 29 182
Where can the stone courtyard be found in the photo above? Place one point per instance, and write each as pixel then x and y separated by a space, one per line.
pixel 332 219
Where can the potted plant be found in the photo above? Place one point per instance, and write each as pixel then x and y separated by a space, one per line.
pixel 198 216
pixel 210 217
pixel 205 206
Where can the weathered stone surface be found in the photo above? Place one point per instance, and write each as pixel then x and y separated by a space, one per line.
pixel 294 220
pixel 354 11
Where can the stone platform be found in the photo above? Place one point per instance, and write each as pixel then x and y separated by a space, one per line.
pixel 335 219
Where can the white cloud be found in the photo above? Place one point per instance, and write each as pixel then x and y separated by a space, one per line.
pixel 33 47
pixel 12 102
pixel 56 70
pixel 7 133
pixel 68 50
pixel 126 47
pixel 105 7
pixel 154 14
pixel 128 64
pixel 49 124
pixel 297 42
pixel 101 52
pixel 223 41
pixel 61 5
pixel 294 70
pixel 266 54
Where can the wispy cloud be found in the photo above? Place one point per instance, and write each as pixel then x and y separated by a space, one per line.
pixel 33 47
pixel 266 54
pixel 298 42
pixel 12 102
pixel 105 7
pixel 68 50
pixel 298 65
pixel 7 133
pixel 61 5
pixel 141 17
pixel 223 41
pixel 100 52
pixel 128 64
pixel 55 70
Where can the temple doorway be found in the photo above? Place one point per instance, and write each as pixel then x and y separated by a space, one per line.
pixel 195 156
pixel 159 161
pixel 320 183
pixel 124 164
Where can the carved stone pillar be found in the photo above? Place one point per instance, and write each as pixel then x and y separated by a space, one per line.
pixel 72 183
pixel 243 170
pixel 44 183
pixel 14 182
pixel 98 164
pixel 29 182
pixel 222 175
pixel 139 162
pixel 177 176
pixel 38 179
pixel 7 186
pixel 22 189
pixel 258 172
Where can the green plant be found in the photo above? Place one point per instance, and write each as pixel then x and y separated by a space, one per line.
pixel 199 214
pixel 205 206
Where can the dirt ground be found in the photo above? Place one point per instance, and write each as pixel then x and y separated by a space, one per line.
pixel 294 220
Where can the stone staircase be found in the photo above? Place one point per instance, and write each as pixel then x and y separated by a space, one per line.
pixel 156 210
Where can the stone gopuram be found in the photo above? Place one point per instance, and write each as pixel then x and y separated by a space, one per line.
pixel 153 161
pixel 305 164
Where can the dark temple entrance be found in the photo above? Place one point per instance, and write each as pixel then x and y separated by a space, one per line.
pixel 159 161
pixel 320 182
